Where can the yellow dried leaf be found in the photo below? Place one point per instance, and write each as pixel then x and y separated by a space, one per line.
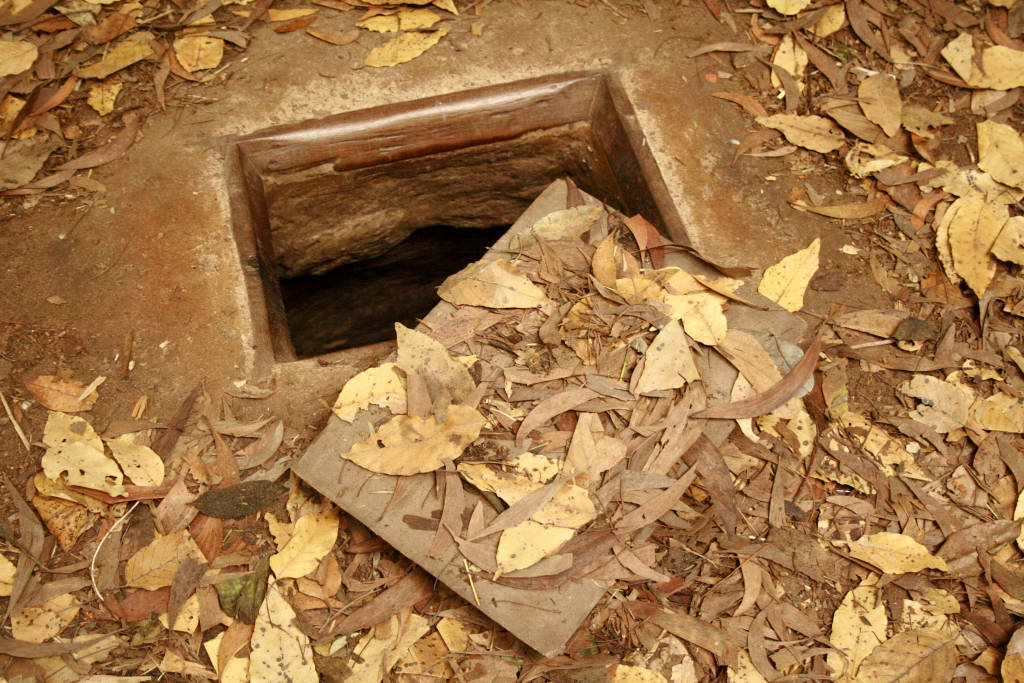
pixel 379 650
pixel 944 406
pixel 275 15
pixel 603 262
pixel 1000 68
pixel 74 449
pixel 788 7
pixel 1009 243
pixel 858 626
pixel 155 565
pixel 972 234
pixel 744 670
pixel 1012 667
pixel 16 56
pixel 879 97
pixel 405 48
pixel 430 359
pixel 792 58
pixel 831 21
pixel 187 618
pixel 668 362
pixel 140 463
pixel 921 656
pixel 786 281
pixel 1000 413
pixel 67 521
pixel 103 96
pixel 38 623
pixel 280 650
pixel 134 48
pixel 381 23
pixel 701 314
pixel 564 224
pixel 446 5
pixel 636 674
pixel 7 571
pixel 570 507
pixel 455 633
pixel 408 445
pixel 1001 153
pixel 312 538
pixel 895 553
pixel 494 283
pixel 381 385
pixel 921 121
pixel 236 669
pixel 813 132
pixel 527 543
pixel 417 19
pixel 196 53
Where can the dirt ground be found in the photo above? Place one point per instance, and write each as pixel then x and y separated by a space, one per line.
pixel 148 266
pixel 154 257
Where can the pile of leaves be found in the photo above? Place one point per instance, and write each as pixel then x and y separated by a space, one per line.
pixel 78 78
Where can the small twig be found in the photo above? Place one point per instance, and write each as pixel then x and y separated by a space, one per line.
pixel 99 546
pixel 472 585
pixel 14 423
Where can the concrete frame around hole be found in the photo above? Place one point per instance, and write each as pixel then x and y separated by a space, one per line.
pixel 432 126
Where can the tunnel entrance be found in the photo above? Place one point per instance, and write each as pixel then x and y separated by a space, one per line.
pixel 347 224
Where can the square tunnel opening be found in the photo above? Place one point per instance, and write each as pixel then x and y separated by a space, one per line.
pixel 348 224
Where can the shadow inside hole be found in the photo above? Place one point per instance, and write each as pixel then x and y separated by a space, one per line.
pixel 358 303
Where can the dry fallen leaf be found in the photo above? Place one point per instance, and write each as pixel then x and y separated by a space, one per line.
pixel 196 53
pixel 701 314
pixel 38 623
pixel 788 7
pixel 63 395
pixel 1012 667
pixel 831 21
pixel 312 538
pixel 999 68
pixel 921 121
pixel 527 543
pixel 564 224
pixel 791 57
pixel 139 463
pixel 418 353
pixel 103 96
pixel 813 132
pixel 275 15
pixel 744 670
pixel 1000 413
pixel 786 281
pixel 67 521
pixel 944 406
pixel 155 565
pixel 925 656
pixel 879 97
pixel 405 48
pixel 570 507
pixel 858 626
pixel 280 650
pixel 134 48
pixel 74 449
pixel 895 553
pixel 409 445
pixel 379 650
pixel 405 19
pixel 639 674
pixel 381 385
pixel 1009 243
pixel 972 234
pixel 494 283
pixel 16 56
pixel 7 571
pixel 1001 153
pixel 668 362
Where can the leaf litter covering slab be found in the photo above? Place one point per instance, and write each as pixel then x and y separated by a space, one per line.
pixel 421 448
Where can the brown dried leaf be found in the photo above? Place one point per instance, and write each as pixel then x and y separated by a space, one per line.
pixel 63 395
pixel 880 101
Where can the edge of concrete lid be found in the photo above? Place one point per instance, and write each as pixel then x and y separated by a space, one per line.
pixel 543 619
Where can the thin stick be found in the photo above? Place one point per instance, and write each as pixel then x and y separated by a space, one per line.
pixel 17 427
pixel 92 563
